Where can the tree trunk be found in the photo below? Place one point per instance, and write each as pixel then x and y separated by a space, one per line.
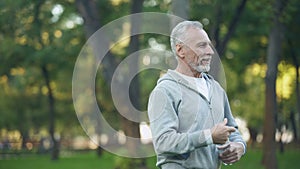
pixel 55 147
pixel 181 9
pixel 132 128
pixel 92 22
pixel 294 125
pixel 273 54
pixel 269 150
pixel 25 138
pixel 51 100
pixel 293 114
pixel 253 135
pixel 298 101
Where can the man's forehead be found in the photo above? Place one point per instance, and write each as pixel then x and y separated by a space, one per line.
pixel 197 35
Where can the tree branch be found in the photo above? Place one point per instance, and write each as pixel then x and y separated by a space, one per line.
pixel 232 27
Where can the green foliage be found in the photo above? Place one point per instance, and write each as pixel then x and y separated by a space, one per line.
pixel 32 34
pixel 33 39
pixel 247 48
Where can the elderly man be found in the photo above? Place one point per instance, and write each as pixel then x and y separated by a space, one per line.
pixel 190 118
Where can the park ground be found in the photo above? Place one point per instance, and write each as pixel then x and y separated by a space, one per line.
pixel 89 160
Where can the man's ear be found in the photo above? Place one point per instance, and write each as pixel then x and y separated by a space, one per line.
pixel 180 51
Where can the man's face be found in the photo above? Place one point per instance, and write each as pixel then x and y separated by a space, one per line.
pixel 197 50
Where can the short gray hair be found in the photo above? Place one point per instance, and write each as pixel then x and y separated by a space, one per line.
pixel 179 32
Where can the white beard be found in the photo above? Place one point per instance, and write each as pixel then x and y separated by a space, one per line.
pixel 202 68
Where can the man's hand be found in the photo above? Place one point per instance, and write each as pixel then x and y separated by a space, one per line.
pixel 231 153
pixel 220 132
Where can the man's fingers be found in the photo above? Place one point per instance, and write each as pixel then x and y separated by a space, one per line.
pixel 230 160
pixel 227 153
pixel 231 154
pixel 225 121
pixel 223 146
pixel 228 156
pixel 230 129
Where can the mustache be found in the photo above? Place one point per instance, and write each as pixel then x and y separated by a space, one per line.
pixel 205 58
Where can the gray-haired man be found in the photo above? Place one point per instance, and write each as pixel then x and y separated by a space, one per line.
pixel 190 117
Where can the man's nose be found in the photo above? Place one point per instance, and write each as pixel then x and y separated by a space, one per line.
pixel 210 50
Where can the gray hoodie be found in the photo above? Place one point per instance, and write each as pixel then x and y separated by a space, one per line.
pixel 180 121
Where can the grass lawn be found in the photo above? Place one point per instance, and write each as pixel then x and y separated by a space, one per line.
pixel 89 160
pixel 67 161
pixel 252 160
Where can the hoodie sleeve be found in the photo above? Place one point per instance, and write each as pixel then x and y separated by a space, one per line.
pixel 162 111
pixel 235 136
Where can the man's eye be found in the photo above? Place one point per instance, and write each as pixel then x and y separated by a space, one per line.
pixel 202 44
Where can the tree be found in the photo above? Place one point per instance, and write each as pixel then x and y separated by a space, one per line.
pixel 90 13
pixel 35 45
pixel 222 17
pixel 273 55
pixel 180 9
pixel 292 24
pixel 132 128
pixel 46 76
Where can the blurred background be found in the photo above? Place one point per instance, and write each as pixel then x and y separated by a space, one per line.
pixel 40 41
